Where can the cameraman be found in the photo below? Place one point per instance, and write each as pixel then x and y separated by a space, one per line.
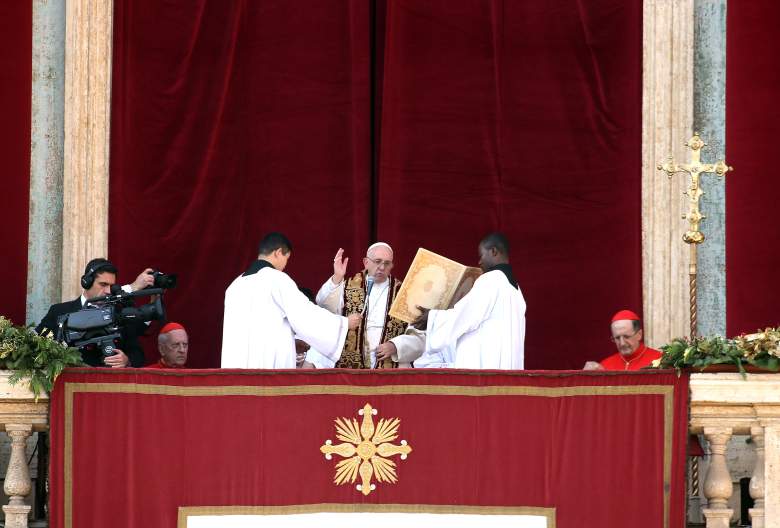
pixel 99 276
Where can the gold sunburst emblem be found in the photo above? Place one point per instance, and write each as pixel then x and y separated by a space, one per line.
pixel 365 450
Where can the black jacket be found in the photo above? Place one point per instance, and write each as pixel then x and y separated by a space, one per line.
pixel 129 345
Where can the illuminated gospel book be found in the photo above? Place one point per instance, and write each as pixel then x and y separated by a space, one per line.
pixel 433 282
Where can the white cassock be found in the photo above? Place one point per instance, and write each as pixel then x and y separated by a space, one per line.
pixel 331 297
pixel 484 330
pixel 319 361
pixel 263 313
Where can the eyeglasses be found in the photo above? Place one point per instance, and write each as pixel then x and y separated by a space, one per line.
pixel 379 262
pixel 618 338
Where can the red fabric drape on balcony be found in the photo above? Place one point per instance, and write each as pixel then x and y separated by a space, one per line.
pixel 604 450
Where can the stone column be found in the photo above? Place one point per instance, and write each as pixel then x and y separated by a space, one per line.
pixel 757 480
pixel 717 485
pixel 709 119
pixel 88 46
pixel 44 247
pixel 17 479
pixel 667 119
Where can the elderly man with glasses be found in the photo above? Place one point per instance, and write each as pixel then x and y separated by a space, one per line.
pixel 173 345
pixel 632 353
pixel 370 292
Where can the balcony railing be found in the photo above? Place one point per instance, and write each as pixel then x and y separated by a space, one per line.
pixel 726 404
pixel 20 415
pixel 722 405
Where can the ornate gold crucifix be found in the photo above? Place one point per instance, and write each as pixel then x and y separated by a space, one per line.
pixel 694 236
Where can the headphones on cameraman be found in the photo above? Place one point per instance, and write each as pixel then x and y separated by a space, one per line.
pixel 95 265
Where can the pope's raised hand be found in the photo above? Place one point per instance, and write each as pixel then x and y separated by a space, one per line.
pixel 339 266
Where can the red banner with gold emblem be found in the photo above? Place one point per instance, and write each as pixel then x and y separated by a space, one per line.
pixel 182 448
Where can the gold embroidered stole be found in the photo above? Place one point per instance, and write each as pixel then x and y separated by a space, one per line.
pixel 354 355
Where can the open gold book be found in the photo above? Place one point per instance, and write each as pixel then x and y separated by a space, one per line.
pixel 433 282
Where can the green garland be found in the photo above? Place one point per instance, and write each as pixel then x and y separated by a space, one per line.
pixel 759 349
pixel 36 358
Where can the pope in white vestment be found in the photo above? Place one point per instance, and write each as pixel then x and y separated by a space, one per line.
pixel 265 310
pixel 342 295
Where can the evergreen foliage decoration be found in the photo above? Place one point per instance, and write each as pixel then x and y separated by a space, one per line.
pixel 761 350
pixel 35 358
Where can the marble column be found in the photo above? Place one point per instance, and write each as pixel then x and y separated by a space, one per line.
pixel 88 47
pixel 44 247
pixel 709 119
pixel 667 119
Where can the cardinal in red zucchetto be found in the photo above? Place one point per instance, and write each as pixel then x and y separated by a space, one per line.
pixel 632 353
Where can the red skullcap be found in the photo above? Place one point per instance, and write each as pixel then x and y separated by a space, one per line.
pixel 625 315
pixel 171 326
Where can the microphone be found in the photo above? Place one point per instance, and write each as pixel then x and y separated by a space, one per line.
pixel 369 285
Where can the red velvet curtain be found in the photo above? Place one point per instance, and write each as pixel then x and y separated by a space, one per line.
pixel 231 119
pixel 15 90
pixel 752 132
pixel 523 117
pixel 420 124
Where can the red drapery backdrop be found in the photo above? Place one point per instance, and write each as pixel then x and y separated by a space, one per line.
pixel 15 90
pixel 752 132
pixel 604 450
pixel 230 120
pixel 523 117
pixel 417 124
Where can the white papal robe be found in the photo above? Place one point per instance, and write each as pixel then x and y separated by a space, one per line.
pixel 484 330
pixel 264 311
pixel 331 297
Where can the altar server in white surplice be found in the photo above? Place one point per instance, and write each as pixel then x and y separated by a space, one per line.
pixel 486 328
pixel 265 310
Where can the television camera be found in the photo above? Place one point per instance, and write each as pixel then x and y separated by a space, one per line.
pixel 99 325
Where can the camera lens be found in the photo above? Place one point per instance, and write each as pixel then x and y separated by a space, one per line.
pixel 162 280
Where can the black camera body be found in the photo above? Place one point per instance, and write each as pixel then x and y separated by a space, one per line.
pixel 100 324
pixel 163 280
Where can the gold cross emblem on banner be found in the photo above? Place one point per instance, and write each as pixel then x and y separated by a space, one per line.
pixel 365 450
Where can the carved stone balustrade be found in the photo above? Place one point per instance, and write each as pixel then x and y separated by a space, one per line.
pixel 727 404
pixel 20 415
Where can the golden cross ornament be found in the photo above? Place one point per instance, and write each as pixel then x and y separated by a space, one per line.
pixel 695 169
pixel 366 450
